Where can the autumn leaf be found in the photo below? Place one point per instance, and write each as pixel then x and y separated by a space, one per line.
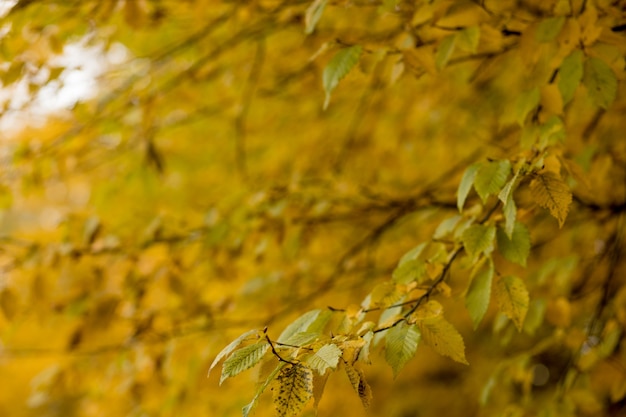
pixel 440 335
pixel 512 298
pixel 479 294
pixel 549 191
pixel 242 359
pixel 401 345
pixel 338 67
pixel 295 389
pixel 360 385
pixel 326 357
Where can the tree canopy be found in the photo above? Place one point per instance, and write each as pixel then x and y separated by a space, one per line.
pixel 331 207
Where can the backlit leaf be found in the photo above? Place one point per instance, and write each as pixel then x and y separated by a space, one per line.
pixel 491 177
pixel 409 271
pixel 517 247
pixel 360 385
pixel 570 75
pixel 479 294
pixel 440 335
pixel 466 185
pixel 478 239
pixel 510 215
pixel 295 388
pixel 231 346
pixel 512 298
pixel 313 15
pixel 326 357
pixel 301 324
pixel 600 82
pixel 551 192
pixel 242 359
pixel 338 67
pixel 468 38
pixel 401 345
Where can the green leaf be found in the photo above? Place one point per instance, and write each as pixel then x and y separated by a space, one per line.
pixel 551 192
pixel 295 388
pixel 443 338
pixel 517 247
pixel 549 28
pixel 301 324
pixel 326 357
pixel 600 82
pixel 313 14
pixel 338 67
pixel 401 345
pixel 445 51
pixel 512 298
pixel 570 75
pixel 231 346
pixel 478 239
pixel 242 359
pixel 466 185
pixel 479 294
pixel 360 385
pixel 491 177
pixel 510 215
pixel 468 38
pixel 526 102
pixel 250 406
pixel 412 254
pixel 446 227
pixel 410 271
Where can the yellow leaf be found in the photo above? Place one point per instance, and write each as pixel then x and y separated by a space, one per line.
pixel 512 298
pixel 295 388
pixel 551 192
pixel 443 338
pixel 551 99
pixel 360 385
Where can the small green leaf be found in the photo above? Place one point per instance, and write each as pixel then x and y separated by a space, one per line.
pixel 313 15
pixel 445 51
pixel 242 359
pixel 446 227
pixel 491 177
pixel 479 294
pixel 517 247
pixel 409 271
pixel 510 215
pixel 478 239
pixel 338 67
pixel 600 82
pixel 301 324
pixel 512 298
pixel 231 346
pixel 526 102
pixel 549 28
pixel 326 357
pixel 466 184
pixel 468 38
pixel 412 254
pixel 570 75
pixel 401 345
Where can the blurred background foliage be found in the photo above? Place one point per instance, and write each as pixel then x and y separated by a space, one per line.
pixel 170 179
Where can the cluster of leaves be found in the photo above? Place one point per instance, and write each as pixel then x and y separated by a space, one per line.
pixel 245 163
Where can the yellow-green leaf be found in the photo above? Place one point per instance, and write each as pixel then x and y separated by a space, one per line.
pixel 360 385
pixel 517 247
pixel 551 192
pixel 570 75
pixel 440 335
pixel 549 29
pixel 301 324
pixel 468 38
pixel 526 102
pixel 600 82
pixel 445 51
pixel 478 239
pixel 409 271
pixel 466 185
pixel 491 177
pixel 313 15
pixel 479 294
pixel 231 346
pixel 512 298
pixel 242 359
pixel 326 357
pixel 338 67
pixel 401 345
pixel 295 388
